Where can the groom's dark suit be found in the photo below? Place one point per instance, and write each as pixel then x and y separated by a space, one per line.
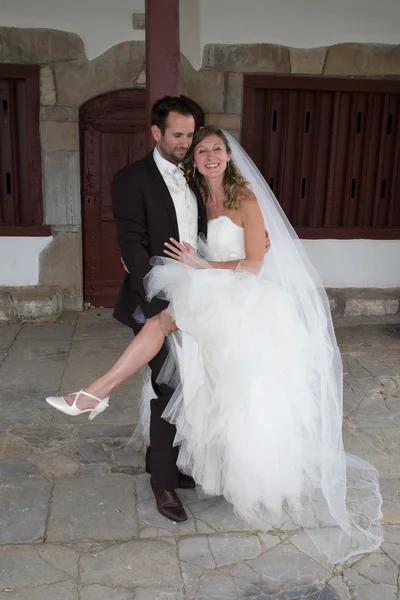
pixel 146 219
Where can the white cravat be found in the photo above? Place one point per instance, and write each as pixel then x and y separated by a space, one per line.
pixel 184 200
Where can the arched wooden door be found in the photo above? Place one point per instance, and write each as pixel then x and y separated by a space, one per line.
pixel 113 134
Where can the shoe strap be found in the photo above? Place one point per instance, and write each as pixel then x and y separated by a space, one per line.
pixel 89 396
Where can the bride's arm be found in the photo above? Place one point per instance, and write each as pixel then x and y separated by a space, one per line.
pixel 254 237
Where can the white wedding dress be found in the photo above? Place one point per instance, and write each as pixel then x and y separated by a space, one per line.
pixel 253 423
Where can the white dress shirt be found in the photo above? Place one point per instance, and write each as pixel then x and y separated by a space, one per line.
pixel 184 200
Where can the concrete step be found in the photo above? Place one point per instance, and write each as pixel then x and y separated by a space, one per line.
pixel 357 304
pixel 27 304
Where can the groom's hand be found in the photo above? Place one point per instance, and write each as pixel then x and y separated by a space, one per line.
pixel 167 324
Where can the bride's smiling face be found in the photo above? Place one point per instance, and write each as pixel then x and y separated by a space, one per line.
pixel 211 156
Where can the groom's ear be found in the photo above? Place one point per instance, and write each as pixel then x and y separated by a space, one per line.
pixel 156 132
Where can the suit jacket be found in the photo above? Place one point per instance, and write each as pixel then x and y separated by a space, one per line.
pixel 146 219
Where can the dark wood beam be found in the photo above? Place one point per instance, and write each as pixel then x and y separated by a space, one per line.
pixel 162 52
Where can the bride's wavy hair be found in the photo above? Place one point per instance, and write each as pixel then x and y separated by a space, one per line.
pixel 234 183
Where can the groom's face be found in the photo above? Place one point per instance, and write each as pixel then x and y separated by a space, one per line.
pixel 177 137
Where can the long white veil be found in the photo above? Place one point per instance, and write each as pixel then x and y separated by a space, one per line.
pixel 342 506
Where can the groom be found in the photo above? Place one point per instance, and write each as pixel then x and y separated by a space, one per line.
pixel 152 202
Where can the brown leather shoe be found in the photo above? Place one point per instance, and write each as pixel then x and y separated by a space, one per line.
pixel 185 481
pixel 168 503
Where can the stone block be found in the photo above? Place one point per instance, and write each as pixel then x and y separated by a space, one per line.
pixel 53 463
pixel 47 87
pixel 59 113
pixel 232 548
pixel 308 61
pixel 66 590
pixel 39 46
pixel 234 94
pixel 247 58
pixel 196 551
pixel 35 303
pixel 95 508
pixel 363 59
pixel 62 200
pixel 229 122
pixel 92 452
pixel 127 457
pixel 36 565
pixel 207 88
pixel 375 591
pixel 15 467
pixel 24 504
pixel 132 564
pixel 118 68
pixel 60 136
pixel 23 407
pixel 60 264
pixel 141 79
pixel 286 564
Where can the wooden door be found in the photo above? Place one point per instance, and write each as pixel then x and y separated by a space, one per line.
pixel 113 134
pixel 330 150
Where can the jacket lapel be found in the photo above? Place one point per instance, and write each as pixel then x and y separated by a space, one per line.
pixel 161 187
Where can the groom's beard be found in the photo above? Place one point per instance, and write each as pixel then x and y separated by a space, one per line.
pixel 175 155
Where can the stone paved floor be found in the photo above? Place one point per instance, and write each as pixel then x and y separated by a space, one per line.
pixel 77 517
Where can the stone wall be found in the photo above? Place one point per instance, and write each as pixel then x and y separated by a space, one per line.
pixel 67 81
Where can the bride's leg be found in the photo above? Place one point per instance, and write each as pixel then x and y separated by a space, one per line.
pixel 145 346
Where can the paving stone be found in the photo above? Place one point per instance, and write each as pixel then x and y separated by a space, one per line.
pixel 106 431
pixel 218 514
pixel 25 407
pixel 43 365
pixel 8 333
pixel 127 457
pixel 53 463
pixel 15 467
pixel 268 541
pixel 24 505
pixel 36 565
pixel 132 564
pixel 217 587
pixel 95 470
pixel 102 592
pixel 96 508
pixel 66 591
pixel 46 331
pixel 46 437
pixel 375 592
pixel 286 564
pixel 377 568
pixel 341 592
pixel 196 551
pixel 232 548
pixel 158 594
pixel 92 452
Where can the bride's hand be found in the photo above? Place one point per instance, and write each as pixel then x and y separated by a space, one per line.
pixel 185 253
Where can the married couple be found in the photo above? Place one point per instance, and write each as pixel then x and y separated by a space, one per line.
pixel 244 395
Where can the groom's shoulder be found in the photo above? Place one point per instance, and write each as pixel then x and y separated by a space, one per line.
pixel 137 168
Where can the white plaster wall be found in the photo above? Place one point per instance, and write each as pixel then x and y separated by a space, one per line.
pixel 100 23
pixel 299 23
pixel 19 264
pixel 356 263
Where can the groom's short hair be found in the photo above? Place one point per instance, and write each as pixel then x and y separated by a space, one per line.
pixel 161 109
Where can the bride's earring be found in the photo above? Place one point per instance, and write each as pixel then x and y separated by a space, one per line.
pixel 194 172
pixel 229 167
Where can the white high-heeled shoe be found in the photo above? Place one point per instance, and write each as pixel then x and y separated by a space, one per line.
pixel 73 410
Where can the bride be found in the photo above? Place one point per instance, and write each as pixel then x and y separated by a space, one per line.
pixel 258 409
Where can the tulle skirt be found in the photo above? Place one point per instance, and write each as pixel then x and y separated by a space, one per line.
pixel 255 422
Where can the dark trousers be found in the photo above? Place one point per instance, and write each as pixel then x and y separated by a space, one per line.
pixel 163 454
